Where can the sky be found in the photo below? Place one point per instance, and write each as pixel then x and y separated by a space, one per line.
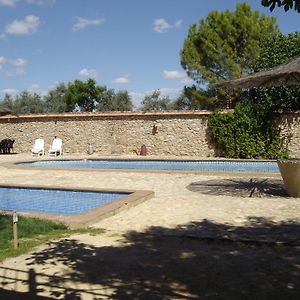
pixel 131 45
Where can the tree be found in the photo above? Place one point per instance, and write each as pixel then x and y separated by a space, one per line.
pixel 252 130
pixel 27 102
pixel 248 132
pixel 55 100
pixel 85 95
pixel 105 101
pixel 191 98
pixel 274 53
pixel 8 102
pixel 182 102
pixel 155 102
pixel 225 44
pixel 122 101
pixel 287 4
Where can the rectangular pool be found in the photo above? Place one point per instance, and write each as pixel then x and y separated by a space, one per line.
pixel 67 205
pixel 66 202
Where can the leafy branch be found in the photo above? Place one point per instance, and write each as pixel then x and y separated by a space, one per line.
pixel 287 4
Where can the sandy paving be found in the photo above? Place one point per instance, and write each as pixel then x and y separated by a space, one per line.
pixel 172 206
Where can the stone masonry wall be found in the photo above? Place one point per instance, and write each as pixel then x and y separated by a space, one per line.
pixel 163 133
pixel 290 132
pixel 114 133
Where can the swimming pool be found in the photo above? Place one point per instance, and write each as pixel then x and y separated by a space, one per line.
pixel 55 201
pixel 186 165
pixel 75 207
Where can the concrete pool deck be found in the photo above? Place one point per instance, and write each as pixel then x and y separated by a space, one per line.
pixel 173 209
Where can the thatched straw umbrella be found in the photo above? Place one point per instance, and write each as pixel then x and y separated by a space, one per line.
pixel 285 74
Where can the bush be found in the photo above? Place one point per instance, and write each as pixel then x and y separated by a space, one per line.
pixel 248 132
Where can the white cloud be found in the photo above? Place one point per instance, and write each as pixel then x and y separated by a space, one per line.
pixel 177 24
pixel 187 80
pixel 81 23
pixel 2 60
pixel 41 2
pixel 19 62
pixel 13 67
pixel 35 89
pixel 171 92
pixel 161 25
pixel 27 26
pixel 174 74
pixel 137 98
pixel 19 71
pixel 177 75
pixel 10 3
pixel 9 91
pixel 89 73
pixel 15 72
pixel 123 79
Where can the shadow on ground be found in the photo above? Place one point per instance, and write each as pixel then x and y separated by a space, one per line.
pixel 200 260
pixel 242 187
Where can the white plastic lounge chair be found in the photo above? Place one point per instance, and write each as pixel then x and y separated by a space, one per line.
pixel 38 147
pixel 56 148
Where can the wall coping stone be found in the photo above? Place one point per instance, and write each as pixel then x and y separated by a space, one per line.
pixel 119 114
pixel 115 114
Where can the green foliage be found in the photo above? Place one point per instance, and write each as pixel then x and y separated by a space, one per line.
pixel 8 102
pixel 77 95
pixel 155 102
pixel 111 101
pixel 105 100
pixel 251 132
pixel 25 103
pixel 55 100
pixel 122 101
pixel 192 98
pixel 287 4
pixel 248 132
pixel 199 98
pixel 225 44
pixel 84 95
pixel 277 51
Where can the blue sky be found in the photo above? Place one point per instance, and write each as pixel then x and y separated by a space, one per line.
pixel 123 44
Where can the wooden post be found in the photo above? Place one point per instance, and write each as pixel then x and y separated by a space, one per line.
pixel 15 230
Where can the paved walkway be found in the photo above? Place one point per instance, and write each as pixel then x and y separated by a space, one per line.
pixel 151 251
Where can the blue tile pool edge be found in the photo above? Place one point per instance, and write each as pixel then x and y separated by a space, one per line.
pixel 130 199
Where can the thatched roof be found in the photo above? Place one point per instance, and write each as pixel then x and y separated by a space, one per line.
pixel 285 74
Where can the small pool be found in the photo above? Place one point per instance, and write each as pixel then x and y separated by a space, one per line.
pixel 53 201
pixel 186 165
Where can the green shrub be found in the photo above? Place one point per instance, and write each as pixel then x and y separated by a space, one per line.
pixel 248 132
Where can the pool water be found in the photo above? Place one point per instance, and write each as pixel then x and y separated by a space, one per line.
pixel 187 165
pixel 55 201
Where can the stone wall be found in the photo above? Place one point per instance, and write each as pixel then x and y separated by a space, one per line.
pixel 290 132
pixel 163 133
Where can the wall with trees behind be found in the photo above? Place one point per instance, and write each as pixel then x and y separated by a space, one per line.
pixel 222 46
pixel 163 133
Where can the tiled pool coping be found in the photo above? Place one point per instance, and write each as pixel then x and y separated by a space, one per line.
pixel 89 217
